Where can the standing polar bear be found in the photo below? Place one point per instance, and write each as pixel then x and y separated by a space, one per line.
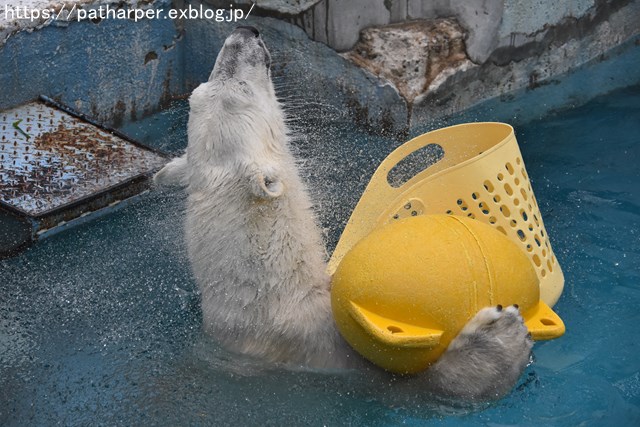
pixel 257 253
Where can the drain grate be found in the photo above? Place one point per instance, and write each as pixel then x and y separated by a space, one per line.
pixel 56 165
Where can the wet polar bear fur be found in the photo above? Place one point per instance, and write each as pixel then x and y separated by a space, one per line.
pixel 257 253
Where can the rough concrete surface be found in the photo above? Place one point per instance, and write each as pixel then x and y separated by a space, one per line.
pixel 127 69
pixel 512 44
pixel 489 24
pixel 413 68
pixel 546 61
pixel 413 55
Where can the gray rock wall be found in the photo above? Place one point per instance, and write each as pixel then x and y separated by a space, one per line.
pixel 116 70
pixel 413 55
pixel 536 60
pixel 490 24
pixel 511 44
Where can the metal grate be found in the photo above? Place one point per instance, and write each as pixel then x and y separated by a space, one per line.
pixel 50 159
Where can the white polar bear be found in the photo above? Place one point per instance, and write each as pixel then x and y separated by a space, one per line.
pixel 257 252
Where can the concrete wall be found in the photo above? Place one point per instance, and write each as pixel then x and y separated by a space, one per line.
pixel 119 70
pixel 513 44
pixel 304 72
pixel 112 70
pixel 542 61
pixel 490 24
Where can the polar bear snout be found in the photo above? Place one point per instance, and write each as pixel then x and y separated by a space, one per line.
pixel 249 29
pixel 244 56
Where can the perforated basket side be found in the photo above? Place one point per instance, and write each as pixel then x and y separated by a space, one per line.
pixel 480 175
pixel 506 201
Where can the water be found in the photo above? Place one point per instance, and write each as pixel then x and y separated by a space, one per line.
pixel 100 324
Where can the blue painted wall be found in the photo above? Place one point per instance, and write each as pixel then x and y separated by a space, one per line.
pixel 114 70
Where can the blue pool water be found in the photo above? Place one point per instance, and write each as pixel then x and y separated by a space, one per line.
pixel 100 324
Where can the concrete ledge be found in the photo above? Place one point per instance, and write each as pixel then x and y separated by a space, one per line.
pixel 561 58
pixel 617 69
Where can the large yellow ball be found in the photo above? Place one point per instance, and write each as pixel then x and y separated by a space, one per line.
pixel 401 294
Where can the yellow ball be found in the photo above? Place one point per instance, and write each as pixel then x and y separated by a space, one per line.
pixel 401 294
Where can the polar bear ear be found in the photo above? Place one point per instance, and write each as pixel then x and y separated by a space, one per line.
pixel 266 186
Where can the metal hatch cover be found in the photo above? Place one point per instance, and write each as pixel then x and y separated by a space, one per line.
pixel 49 158
pixel 56 165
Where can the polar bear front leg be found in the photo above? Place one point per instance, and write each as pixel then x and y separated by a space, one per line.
pixel 173 173
pixel 486 358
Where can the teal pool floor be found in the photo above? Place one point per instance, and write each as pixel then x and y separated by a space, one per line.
pixel 100 325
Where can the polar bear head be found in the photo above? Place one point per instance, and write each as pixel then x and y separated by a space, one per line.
pixel 236 122
pixel 243 57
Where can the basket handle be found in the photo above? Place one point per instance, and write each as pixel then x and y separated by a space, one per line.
pixel 461 144
pixel 404 151
pixel 456 143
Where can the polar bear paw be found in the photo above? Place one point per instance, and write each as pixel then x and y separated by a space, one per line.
pixel 502 324
pixel 487 357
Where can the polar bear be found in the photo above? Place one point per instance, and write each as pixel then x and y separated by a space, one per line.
pixel 257 252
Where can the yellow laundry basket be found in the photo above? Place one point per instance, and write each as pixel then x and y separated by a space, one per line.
pixel 480 174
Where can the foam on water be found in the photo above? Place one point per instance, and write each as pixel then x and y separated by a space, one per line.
pixel 101 324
